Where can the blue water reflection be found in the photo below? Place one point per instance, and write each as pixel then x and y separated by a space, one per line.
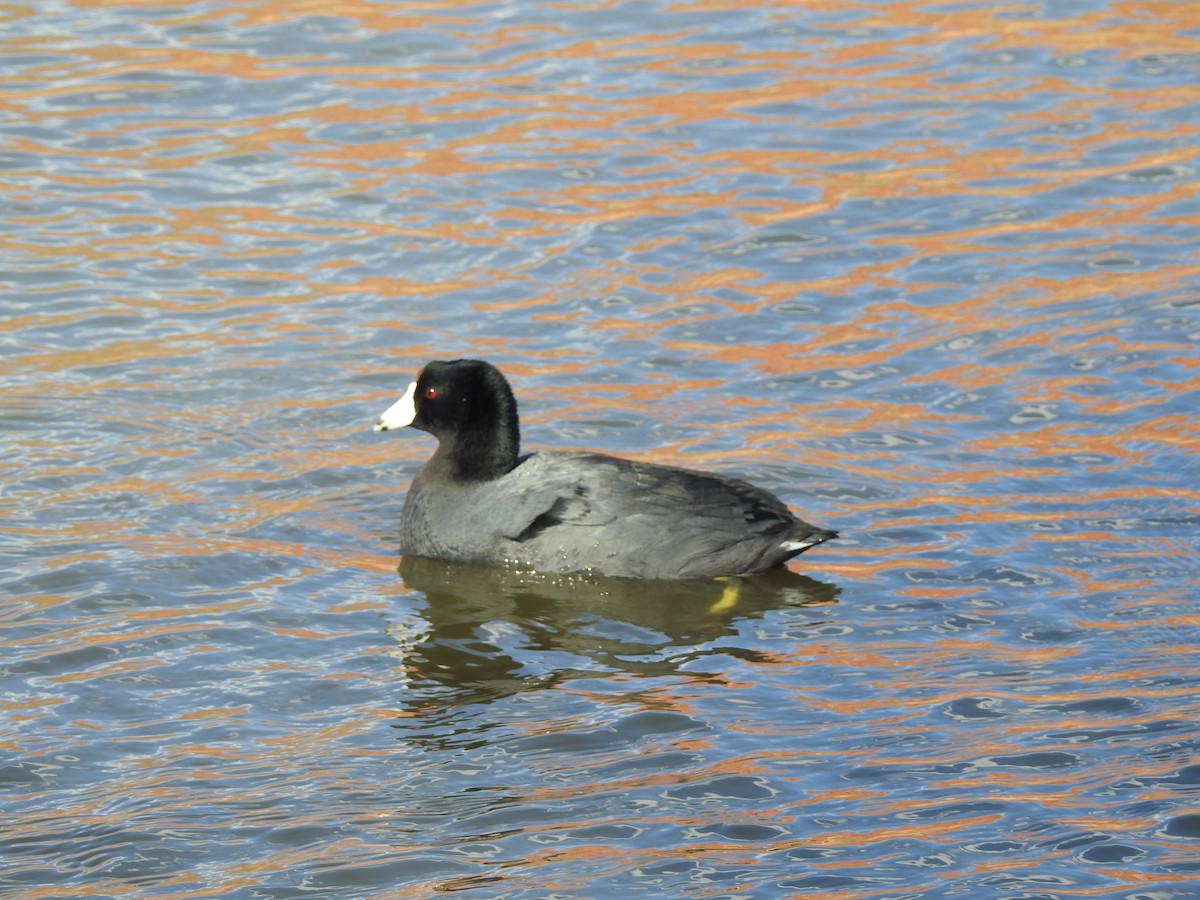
pixel 926 272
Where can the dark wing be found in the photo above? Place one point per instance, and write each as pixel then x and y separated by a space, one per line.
pixel 635 518
pixel 538 494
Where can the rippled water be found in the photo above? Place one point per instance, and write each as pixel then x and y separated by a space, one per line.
pixel 928 271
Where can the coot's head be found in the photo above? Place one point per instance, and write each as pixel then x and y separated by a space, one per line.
pixel 469 407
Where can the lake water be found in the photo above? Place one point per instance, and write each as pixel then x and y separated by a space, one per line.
pixel 928 271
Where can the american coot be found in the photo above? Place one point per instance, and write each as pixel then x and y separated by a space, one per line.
pixel 477 501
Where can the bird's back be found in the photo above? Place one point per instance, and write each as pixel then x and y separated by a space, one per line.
pixel 564 511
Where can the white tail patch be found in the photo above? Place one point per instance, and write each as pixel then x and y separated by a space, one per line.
pixel 798 545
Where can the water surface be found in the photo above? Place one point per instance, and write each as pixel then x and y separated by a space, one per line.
pixel 929 272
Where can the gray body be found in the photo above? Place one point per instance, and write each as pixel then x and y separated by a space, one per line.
pixel 567 512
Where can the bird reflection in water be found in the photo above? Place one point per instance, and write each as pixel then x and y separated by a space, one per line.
pixel 491 632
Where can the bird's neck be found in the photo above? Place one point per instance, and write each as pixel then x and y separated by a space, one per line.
pixel 478 454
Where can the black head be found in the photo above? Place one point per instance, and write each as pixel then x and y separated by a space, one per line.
pixel 469 407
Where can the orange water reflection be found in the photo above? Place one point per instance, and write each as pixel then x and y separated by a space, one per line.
pixel 971 348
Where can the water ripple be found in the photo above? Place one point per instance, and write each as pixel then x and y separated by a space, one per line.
pixel 928 273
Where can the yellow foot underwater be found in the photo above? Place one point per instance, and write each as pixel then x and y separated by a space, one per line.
pixel 729 596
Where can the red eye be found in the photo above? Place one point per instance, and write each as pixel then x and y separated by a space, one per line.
pixel 430 393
